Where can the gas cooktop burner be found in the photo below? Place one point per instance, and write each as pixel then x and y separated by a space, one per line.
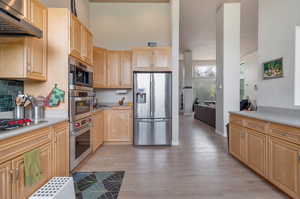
pixel 8 124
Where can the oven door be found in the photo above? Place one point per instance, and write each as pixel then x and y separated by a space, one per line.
pixel 81 107
pixel 80 145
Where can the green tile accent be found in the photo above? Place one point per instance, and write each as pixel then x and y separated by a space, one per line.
pixel 8 91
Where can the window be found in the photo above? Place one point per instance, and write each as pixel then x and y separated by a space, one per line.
pixel 207 72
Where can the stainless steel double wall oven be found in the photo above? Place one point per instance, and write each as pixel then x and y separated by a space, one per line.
pixel 81 98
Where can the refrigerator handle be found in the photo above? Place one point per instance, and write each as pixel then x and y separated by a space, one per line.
pixel 151 98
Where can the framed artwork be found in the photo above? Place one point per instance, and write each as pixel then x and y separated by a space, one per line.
pixel 273 69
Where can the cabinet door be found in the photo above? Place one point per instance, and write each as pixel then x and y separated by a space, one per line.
pixel 113 69
pixel 119 126
pixel 89 40
pixel 256 151
pixel 5 180
pixel 19 190
pixel 126 69
pixel 84 47
pixel 284 166
pixel 98 130
pixel 162 57
pixel 75 37
pixel 100 72
pixel 142 58
pixel 237 141
pixel 61 150
pixel 37 48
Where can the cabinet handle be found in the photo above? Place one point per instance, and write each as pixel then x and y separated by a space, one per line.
pixel 17 174
pixel 11 174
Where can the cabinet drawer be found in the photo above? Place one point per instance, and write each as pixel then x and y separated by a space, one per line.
pixel 15 146
pixel 237 120
pixel 285 132
pixel 257 125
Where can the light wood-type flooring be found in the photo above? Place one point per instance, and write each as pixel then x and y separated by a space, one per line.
pixel 199 168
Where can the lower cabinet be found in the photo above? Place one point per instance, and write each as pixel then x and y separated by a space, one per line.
pixel 61 150
pixel 276 159
pixel 237 141
pixel 19 190
pixel 98 130
pixel 5 180
pixel 54 159
pixel 284 166
pixel 118 125
pixel 256 145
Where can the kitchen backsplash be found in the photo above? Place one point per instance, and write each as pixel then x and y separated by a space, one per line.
pixel 8 91
pixel 110 96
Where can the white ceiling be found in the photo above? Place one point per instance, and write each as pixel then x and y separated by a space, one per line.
pixel 198 27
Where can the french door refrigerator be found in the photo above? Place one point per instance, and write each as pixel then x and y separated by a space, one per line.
pixel 152 108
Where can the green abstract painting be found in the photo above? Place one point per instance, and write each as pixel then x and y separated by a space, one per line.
pixel 273 69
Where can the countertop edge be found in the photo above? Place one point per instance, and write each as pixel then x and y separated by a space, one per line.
pixel 288 121
pixel 13 133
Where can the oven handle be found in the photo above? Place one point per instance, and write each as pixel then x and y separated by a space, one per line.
pixel 82 98
pixel 81 131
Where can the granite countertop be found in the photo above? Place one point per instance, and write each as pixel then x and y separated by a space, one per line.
pixel 4 134
pixel 282 116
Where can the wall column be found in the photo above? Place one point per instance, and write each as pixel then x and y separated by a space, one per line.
pixel 188 83
pixel 228 64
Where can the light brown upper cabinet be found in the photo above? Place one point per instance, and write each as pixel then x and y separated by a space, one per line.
pixel 75 37
pixel 152 59
pixel 113 69
pixel 81 41
pixel 100 63
pixel 26 58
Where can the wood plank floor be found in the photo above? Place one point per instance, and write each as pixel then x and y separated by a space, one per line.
pixel 199 167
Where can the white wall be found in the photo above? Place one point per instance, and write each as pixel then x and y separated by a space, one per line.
pixel 251 70
pixel 277 21
pixel 118 26
pixel 228 63
pixel 81 5
pixel 110 96
pixel 175 20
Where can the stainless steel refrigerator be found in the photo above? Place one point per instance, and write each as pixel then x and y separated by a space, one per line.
pixel 152 108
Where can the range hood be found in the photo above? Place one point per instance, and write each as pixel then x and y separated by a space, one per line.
pixel 12 21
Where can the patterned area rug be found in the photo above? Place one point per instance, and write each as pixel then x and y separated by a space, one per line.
pixel 98 185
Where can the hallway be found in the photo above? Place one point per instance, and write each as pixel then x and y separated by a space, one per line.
pixel 199 168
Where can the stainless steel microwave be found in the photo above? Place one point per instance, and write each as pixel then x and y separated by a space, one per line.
pixel 79 75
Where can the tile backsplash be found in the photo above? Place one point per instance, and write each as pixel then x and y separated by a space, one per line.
pixel 8 91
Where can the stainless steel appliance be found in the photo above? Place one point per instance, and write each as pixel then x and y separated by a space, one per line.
pixel 152 108
pixel 81 104
pixel 80 141
pixel 12 21
pixel 80 77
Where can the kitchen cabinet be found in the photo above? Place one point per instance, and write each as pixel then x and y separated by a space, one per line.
pixel 98 130
pixel 5 180
pixel 237 141
pixel 256 151
pixel 152 59
pixel 100 68
pixel 119 69
pixel 26 56
pixel 118 125
pixel 75 37
pixel 271 150
pixel 81 41
pixel 61 150
pixel 284 166
pixel 19 190
pixel 53 145
pixel 113 69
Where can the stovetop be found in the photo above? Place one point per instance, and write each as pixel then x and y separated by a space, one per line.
pixel 8 124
